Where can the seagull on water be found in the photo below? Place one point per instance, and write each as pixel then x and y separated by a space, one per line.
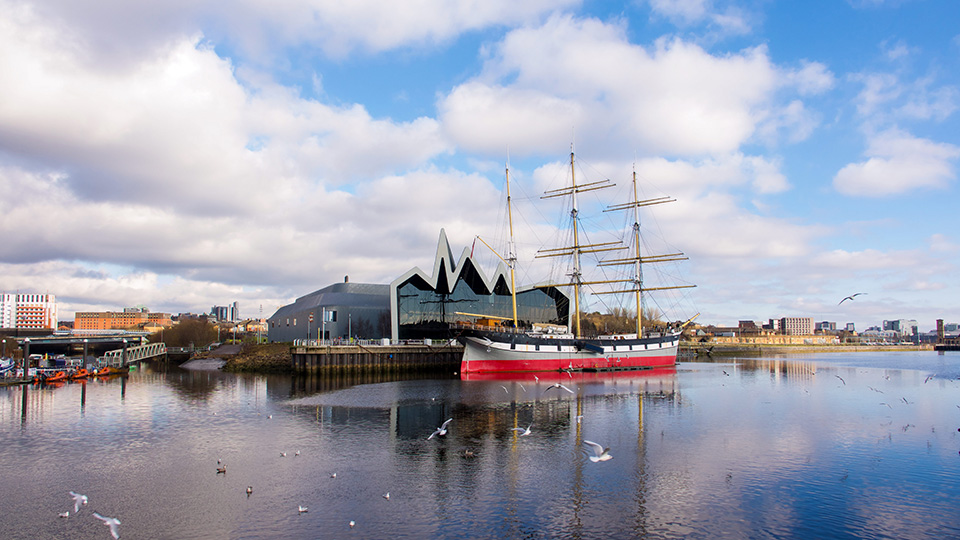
pixel 283 454
pixel 222 469
pixel 112 522
pixel 334 475
pixel 558 385
pixel 301 509
pixel 352 523
pixel 249 490
pixel 78 499
pixel 386 495
pixel 442 430
pixel 851 297
pixel 65 514
pixel 523 432
pixel 600 453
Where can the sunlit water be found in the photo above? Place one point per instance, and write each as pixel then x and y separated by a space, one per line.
pixel 821 446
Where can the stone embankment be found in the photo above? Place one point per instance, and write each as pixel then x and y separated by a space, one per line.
pixel 759 349
pixel 262 358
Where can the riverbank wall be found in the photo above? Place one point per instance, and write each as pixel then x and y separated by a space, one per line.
pixel 445 356
pixel 758 349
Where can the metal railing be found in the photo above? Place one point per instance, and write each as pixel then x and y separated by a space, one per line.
pixel 368 342
pixel 129 355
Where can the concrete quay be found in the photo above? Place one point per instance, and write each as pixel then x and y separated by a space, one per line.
pixel 321 357
pixel 761 349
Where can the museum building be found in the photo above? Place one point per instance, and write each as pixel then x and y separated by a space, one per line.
pixel 418 305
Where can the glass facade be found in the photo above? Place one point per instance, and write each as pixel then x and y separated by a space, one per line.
pixel 424 311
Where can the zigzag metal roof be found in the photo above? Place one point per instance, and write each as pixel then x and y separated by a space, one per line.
pixel 447 271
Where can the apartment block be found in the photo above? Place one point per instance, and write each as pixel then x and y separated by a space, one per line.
pixel 796 326
pixel 123 320
pixel 28 311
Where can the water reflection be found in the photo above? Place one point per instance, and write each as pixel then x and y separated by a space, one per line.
pixel 745 448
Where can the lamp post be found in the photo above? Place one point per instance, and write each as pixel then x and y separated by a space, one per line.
pixel 26 357
pixel 4 353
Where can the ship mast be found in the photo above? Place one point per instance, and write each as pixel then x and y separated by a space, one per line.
pixel 511 252
pixel 638 270
pixel 638 260
pixel 576 248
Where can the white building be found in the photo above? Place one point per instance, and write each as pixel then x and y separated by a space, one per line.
pixel 796 326
pixel 903 327
pixel 28 311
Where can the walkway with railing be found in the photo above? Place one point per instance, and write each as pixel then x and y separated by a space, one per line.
pixel 130 355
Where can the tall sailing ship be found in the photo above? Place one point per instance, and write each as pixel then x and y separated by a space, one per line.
pixel 502 346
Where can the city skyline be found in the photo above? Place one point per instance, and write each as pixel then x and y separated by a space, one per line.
pixel 172 155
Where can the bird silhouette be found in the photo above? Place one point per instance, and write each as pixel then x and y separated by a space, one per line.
pixel 558 385
pixel 113 523
pixel 78 499
pixel 851 297
pixel 442 430
pixel 521 431
pixel 600 453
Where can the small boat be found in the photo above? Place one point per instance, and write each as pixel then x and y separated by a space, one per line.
pixel 7 365
pixel 59 376
pixel 107 371
pixel 81 373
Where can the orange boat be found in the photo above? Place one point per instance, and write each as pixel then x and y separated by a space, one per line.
pixel 106 371
pixel 81 373
pixel 57 377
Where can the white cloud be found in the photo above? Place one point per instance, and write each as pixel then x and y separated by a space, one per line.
pixel 942 243
pixel 176 174
pixel 730 21
pixel 878 89
pixel 898 163
pixel 496 119
pixel 811 78
pixel 123 31
pixel 674 98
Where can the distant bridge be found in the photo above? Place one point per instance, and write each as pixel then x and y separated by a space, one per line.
pixel 130 355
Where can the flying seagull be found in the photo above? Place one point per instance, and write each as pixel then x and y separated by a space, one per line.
pixel 850 297
pixel 558 385
pixel 112 522
pixel 521 431
pixel 600 453
pixel 442 430
pixel 78 499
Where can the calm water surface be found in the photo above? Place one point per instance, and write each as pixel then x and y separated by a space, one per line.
pixel 819 446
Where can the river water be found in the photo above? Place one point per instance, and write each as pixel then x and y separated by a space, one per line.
pixel 817 446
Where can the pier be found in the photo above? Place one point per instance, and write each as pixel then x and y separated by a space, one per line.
pixel 327 355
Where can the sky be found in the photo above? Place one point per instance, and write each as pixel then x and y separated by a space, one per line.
pixel 181 154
